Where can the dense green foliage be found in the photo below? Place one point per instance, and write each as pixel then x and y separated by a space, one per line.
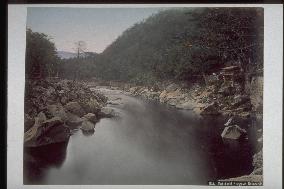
pixel 78 68
pixel 41 56
pixel 184 44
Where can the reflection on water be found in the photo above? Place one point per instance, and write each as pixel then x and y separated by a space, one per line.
pixel 149 144
pixel 38 160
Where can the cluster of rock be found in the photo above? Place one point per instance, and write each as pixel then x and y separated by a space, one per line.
pixel 54 108
pixel 219 96
pixel 171 94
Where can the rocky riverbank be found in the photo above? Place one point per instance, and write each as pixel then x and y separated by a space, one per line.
pixel 53 108
pixel 239 104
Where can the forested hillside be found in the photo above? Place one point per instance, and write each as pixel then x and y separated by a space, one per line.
pixel 185 44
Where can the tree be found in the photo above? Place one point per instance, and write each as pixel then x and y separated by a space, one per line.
pixel 234 34
pixel 80 47
pixel 41 56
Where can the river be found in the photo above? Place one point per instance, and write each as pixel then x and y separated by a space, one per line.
pixel 148 143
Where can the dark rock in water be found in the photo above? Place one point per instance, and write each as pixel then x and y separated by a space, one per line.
pixel 49 132
pixel 233 132
pixel 75 108
pixel 91 117
pixel 211 109
pixel 87 126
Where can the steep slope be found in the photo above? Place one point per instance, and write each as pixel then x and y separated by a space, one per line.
pixel 149 48
pixel 184 44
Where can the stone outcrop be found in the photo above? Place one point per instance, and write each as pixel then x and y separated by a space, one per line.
pixel 224 89
pixel 87 126
pixel 48 132
pixel 54 108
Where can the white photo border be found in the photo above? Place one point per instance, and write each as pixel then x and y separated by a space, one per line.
pixel 273 82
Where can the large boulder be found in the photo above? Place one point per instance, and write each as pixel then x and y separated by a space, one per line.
pixel 73 120
pixel 57 110
pixel 49 132
pixel 91 117
pixel 233 132
pixel 210 109
pixel 87 126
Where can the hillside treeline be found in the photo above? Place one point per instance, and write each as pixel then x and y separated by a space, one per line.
pixel 183 44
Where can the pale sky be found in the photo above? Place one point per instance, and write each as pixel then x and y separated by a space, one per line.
pixel 98 27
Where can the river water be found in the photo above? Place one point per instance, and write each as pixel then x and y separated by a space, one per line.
pixel 148 143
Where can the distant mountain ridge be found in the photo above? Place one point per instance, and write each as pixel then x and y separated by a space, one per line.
pixel 68 55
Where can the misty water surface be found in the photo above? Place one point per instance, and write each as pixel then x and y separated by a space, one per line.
pixel 148 143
